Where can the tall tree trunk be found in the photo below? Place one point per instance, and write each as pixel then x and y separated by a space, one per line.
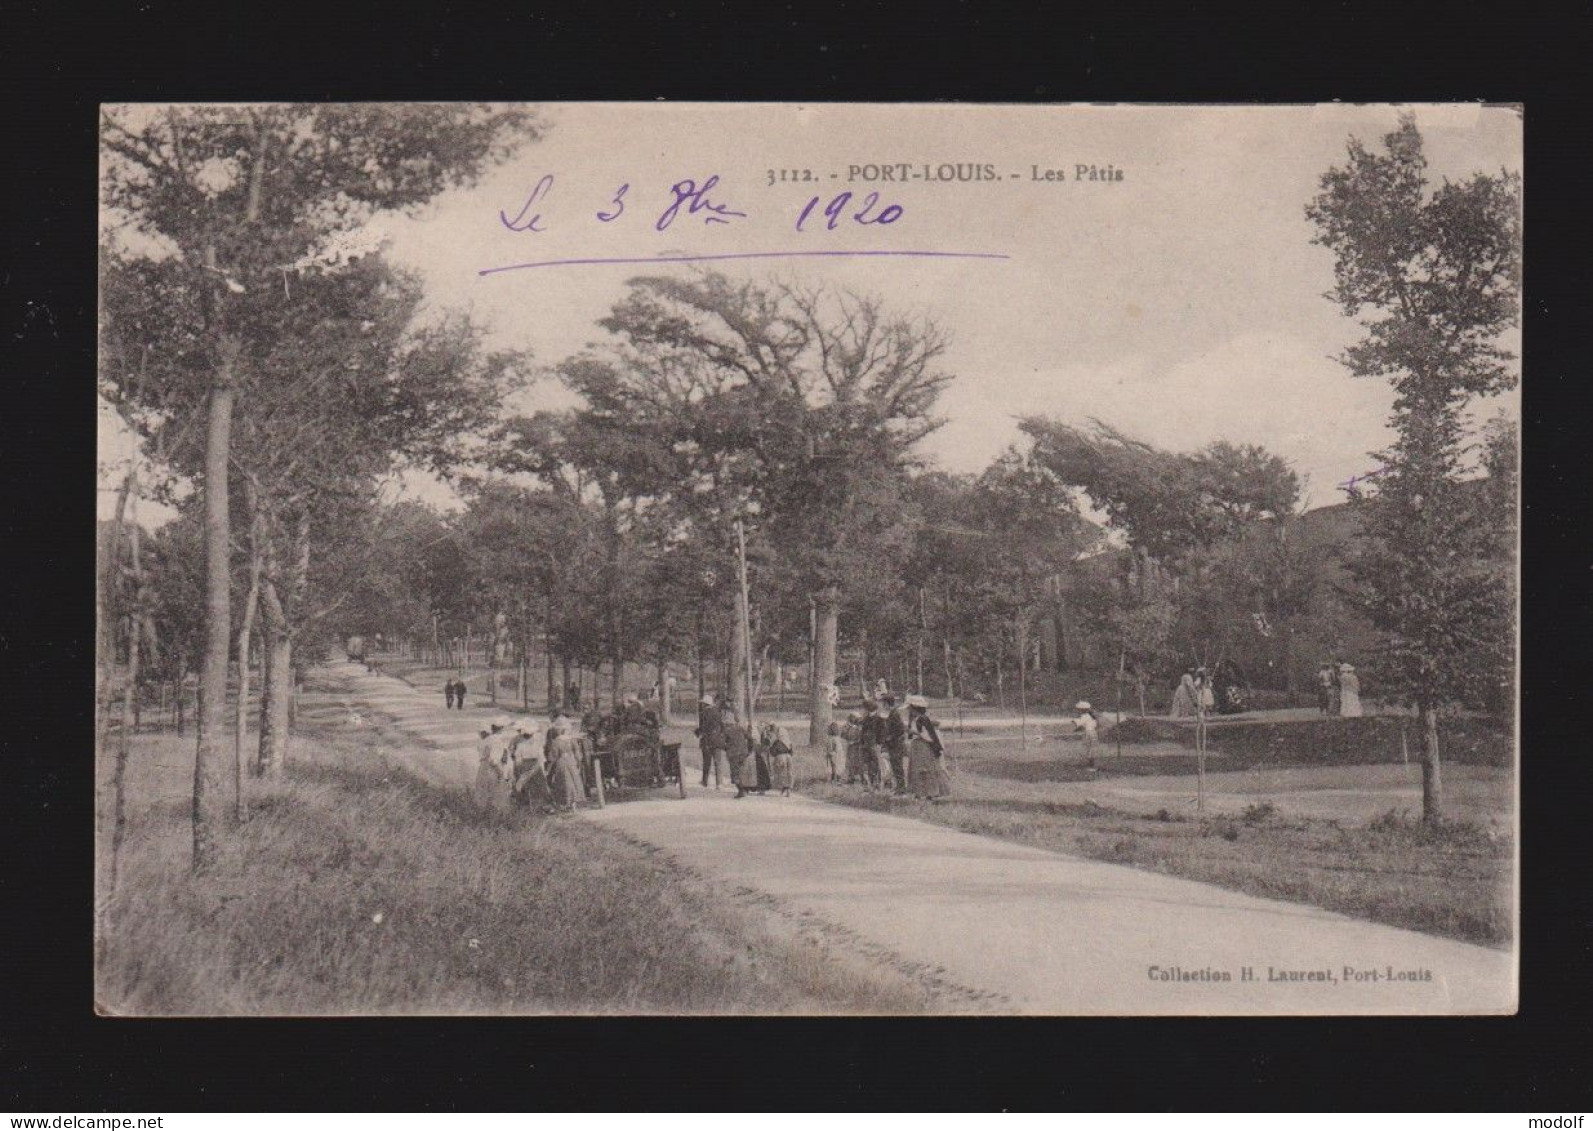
pixel 524 671
pixel 666 712
pixel 564 689
pixel 826 621
pixel 1022 632
pixel 1432 765
pixel 245 632
pixel 109 569
pixel 863 683
pixel 211 753
pixel 923 633
pixel 135 623
pixel 702 664
pixel 547 648
pixel 740 681
pixel 276 687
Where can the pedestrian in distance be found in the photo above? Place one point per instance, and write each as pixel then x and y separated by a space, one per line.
pixel 448 694
pixel 1349 692
pixel 1184 697
pixel 1205 698
pixel 459 691
pixel 1324 689
pixel 926 754
pixel 1087 723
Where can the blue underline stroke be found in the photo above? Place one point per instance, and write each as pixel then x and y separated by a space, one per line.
pixel 634 260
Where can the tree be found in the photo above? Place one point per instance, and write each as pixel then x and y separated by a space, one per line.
pixel 1189 518
pixel 1167 504
pixel 228 203
pixel 1433 275
pixel 773 405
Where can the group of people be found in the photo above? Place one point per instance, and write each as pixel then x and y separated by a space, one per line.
pixel 454 692
pixel 521 766
pixel 880 748
pixel 1194 695
pixel 1338 690
pixel 754 763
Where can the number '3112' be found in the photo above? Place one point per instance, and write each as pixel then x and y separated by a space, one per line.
pixel 839 208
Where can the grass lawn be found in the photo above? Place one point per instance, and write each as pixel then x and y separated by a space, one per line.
pixel 1453 881
pixel 352 888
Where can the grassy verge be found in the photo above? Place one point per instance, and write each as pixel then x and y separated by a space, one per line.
pixel 1387 739
pixel 1453 881
pixel 352 888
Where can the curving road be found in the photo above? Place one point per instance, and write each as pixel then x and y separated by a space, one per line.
pixel 1040 932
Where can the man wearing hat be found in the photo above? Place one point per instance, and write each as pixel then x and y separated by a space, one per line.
pixel 711 740
pixel 872 741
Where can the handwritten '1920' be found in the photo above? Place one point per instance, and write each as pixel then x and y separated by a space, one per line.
pixel 691 199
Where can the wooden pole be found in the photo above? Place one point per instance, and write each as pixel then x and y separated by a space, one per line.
pixel 1117 728
pixel 746 619
pixel 597 775
pixel 1023 687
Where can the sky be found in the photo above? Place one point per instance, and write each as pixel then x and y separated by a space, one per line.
pixel 1182 303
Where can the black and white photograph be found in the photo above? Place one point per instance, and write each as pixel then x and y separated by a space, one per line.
pixel 836 559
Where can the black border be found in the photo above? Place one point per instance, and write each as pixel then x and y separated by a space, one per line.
pixel 59 62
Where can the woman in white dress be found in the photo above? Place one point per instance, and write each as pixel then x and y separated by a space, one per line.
pixel 1349 692
pixel 1184 698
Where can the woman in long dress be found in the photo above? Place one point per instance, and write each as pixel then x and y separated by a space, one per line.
pixel 1349 692
pixel 852 735
pixel 926 753
pixel 530 775
pixel 777 741
pixel 564 769
pixel 743 762
pixel 1184 698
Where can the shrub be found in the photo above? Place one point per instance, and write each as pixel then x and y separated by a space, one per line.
pixel 1259 814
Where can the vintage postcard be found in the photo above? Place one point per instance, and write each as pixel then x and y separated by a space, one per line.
pixel 808 559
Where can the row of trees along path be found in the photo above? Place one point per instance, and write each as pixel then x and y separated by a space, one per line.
pixel 269 361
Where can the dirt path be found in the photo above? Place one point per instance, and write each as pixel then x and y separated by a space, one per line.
pixel 1040 932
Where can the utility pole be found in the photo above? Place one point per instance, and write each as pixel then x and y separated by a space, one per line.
pixel 746 619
